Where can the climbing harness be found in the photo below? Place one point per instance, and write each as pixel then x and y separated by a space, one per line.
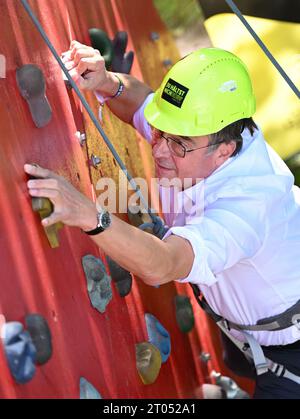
pixel 90 113
pixel 238 13
pixel 252 349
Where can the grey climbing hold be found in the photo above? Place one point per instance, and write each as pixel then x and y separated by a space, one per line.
pixel 20 351
pixel 205 357
pixel 95 161
pixel 212 392
pixel 32 86
pixel 229 386
pixel 81 137
pixel 40 333
pixel 88 391
pixel 120 276
pixel 154 36
pixel 167 62
pixel 98 282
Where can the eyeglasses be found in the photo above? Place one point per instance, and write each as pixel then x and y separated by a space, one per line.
pixel 178 149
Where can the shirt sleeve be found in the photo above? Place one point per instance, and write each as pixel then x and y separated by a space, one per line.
pixel 139 120
pixel 220 240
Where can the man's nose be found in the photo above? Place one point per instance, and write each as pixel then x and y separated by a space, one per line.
pixel 160 148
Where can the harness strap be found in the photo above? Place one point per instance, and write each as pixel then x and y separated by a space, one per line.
pixel 252 349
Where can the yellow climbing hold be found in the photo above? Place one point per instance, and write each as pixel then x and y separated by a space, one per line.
pixel 148 362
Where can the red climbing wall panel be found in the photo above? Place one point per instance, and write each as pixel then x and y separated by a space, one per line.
pixel 37 279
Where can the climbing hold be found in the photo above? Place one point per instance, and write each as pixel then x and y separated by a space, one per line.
pixel 94 161
pixel 121 277
pixel 212 392
pixel 81 137
pixel 45 208
pixel 20 351
pixel 122 61
pixel 184 313
pixel 229 386
pixel 40 334
pixel 205 357
pixel 98 282
pixel 167 62
pixel 148 362
pixel 88 391
pixel 32 86
pixel 103 44
pixel 293 162
pixel 154 36
pixel 158 336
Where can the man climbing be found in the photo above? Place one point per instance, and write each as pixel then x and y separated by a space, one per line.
pixel 241 247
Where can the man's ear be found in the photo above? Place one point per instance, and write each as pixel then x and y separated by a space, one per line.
pixel 224 151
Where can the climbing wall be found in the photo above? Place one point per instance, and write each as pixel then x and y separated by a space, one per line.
pixel 38 279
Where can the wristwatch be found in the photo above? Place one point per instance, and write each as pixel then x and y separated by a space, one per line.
pixel 104 221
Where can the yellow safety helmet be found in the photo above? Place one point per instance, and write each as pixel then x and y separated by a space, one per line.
pixel 201 94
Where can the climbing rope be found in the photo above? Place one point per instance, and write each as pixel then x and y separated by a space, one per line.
pixel 156 221
pixel 238 13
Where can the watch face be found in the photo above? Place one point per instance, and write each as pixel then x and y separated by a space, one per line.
pixel 105 220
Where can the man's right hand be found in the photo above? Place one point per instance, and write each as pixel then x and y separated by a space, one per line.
pixel 87 67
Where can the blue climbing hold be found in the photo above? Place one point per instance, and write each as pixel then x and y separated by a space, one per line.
pixel 88 391
pixel 20 351
pixel 158 336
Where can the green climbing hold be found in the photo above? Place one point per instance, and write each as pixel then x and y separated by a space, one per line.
pixel 148 362
pixel 184 313
pixel 103 44
pixel 98 282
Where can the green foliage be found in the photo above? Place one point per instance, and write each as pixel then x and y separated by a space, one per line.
pixel 178 15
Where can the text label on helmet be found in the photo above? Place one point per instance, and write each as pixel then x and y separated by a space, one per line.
pixel 174 93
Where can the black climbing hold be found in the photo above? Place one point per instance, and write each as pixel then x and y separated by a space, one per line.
pixel 120 276
pixel 103 44
pixel 32 86
pixel 20 351
pixel 184 313
pixel 40 333
pixel 98 282
pixel 122 61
